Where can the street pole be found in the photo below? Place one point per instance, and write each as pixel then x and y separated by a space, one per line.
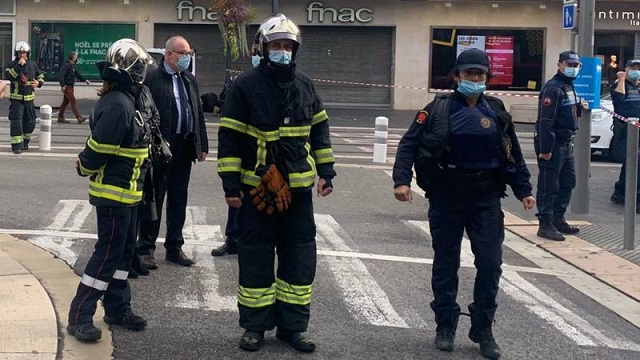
pixel 630 185
pixel 582 141
pixel 274 7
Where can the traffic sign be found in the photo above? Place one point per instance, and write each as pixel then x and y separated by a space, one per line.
pixel 587 84
pixel 568 16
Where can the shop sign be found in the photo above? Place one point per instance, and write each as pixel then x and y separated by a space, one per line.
pixel 343 15
pixel 194 11
pixel 617 16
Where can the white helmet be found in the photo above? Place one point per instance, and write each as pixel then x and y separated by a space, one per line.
pixel 276 28
pixel 128 56
pixel 22 46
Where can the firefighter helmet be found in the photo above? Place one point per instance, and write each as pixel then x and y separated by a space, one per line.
pixel 127 56
pixel 22 46
pixel 276 28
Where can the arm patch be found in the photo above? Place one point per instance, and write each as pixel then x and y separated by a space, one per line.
pixel 421 116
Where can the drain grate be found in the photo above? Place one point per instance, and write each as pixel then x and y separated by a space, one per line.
pixel 609 241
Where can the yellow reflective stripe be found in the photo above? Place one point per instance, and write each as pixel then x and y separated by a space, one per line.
pixel 257 297
pixel 86 171
pixel 324 156
pixel 134 153
pixel 40 77
pixel 229 164
pixel 12 72
pixel 26 136
pixel 16 139
pixel 102 148
pixel 114 193
pixel 319 117
pixel 291 131
pixel 233 124
pixel 261 153
pixel 250 178
pixel 302 180
pixel 29 97
pixel 135 173
pixel 262 135
pixel 293 294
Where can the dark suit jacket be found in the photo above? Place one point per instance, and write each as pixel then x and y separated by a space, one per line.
pixel 160 83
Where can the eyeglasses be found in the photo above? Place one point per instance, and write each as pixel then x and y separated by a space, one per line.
pixel 186 52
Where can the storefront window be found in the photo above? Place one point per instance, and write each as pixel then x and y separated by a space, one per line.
pixel 6 43
pixel 52 42
pixel 516 58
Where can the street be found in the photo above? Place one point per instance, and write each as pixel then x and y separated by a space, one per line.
pixel 372 289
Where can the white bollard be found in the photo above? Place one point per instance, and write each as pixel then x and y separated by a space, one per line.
pixel 380 141
pixel 45 127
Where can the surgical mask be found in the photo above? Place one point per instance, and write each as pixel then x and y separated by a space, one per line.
pixel 183 62
pixel 470 88
pixel 255 60
pixel 634 74
pixel 280 57
pixel 571 72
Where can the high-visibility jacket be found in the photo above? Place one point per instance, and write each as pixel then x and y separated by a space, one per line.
pixel 116 153
pixel 21 77
pixel 273 117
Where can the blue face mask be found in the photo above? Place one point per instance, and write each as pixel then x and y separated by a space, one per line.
pixel 571 72
pixel 280 57
pixel 470 88
pixel 255 60
pixel 634 74
pixel 183 62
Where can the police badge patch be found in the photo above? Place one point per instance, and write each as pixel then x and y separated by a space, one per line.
pixel 547 101
pixel 485 122
pixel 421 116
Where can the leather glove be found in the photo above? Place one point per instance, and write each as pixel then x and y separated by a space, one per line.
pixel 278 187
pixel 262 199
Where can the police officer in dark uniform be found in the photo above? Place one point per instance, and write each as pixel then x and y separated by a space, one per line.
pixel 626 102
pixel 558 110
pixel 116 159
pixel 272 144
pixel 464 149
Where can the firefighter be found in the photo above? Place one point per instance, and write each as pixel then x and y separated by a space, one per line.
pixel 465 150
pixel 273 143
pixel 24 76
pixel 116 159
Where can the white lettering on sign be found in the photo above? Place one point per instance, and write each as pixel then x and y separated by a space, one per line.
pixel 344 15
pixel 191 10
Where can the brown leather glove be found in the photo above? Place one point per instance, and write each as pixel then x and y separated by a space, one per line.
pixel 262 199
pixel 278 187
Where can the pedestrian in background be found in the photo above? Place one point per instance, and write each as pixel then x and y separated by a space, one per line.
pixel 24 76
pixel 274 111
pixel 558 111
pixel 176 95
pixel 116 159
pixel 626 102
pixel 68 76
pixel 465 150
pixel 3 88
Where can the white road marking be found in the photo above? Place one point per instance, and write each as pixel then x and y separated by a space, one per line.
pixel 366 301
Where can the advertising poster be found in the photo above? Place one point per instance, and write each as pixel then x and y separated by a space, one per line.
pixel 500 52
pixel 465 42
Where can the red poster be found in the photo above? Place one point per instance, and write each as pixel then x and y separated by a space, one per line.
pixel 500 51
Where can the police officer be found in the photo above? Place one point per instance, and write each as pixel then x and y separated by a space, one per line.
pixel 558 110
pixel 116 159
pixel 272 144
pixel 24 76
pixel 464 149
pixel 626 102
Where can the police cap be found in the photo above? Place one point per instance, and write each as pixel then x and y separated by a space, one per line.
pixel 472 59
pixel 569 56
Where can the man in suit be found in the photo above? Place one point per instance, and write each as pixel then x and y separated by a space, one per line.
pixel 176 95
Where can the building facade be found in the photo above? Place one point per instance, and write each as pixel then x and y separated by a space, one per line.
pixel 369 53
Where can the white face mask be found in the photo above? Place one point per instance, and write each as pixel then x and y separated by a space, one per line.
pixel 280 57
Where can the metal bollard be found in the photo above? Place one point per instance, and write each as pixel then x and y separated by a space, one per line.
pixel 630 182
pixel 380 141
pixel 45 128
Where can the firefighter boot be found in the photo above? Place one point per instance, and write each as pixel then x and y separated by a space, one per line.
pixel 561 224
pixel 297 340
pixel 548 231
pixel 446 331
pixel 85 332
pixel 481 334
pixel 25 145
pixel 251 340
pixel 128 319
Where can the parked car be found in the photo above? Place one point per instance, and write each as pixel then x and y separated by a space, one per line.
pixel 602 127
pixel 158 53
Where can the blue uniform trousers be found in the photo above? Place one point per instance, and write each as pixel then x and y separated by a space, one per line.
pixel 232 230
pixel 620 147
pixel 108 268
pixel 556 180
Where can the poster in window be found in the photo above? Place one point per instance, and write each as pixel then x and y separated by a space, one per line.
pixel 465 42
pixel 500 52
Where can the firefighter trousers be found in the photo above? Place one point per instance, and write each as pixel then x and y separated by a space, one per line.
pixel 22 121
pixel 283 299
pixel 108 268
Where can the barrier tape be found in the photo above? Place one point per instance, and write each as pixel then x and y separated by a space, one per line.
pixel 620 117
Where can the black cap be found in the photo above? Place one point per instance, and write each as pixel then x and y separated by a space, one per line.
pixel 569 56
pixel 472 59
pixel 633 62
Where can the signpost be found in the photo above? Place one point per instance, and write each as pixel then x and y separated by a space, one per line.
pixel 569 15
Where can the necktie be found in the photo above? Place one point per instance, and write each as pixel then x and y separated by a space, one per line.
pixel 184 108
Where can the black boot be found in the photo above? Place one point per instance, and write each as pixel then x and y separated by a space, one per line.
pixel 85 332
pixel 128 320
pixel 137 267
pixel 617 198
pixel 561 224
pixel 251 340
pixel 547 230
pixel 25 145
pixel 446 331
pixel 297 340
pixel 480 333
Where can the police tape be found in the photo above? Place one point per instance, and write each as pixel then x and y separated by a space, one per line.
pixel 402 86
pixel 620 117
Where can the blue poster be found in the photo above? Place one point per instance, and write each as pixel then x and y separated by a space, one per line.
pixel 587 84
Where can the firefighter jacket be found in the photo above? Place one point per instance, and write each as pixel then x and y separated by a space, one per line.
pixel 21 77
pixel 559 108
pixel 160 83
pixel 116 154
pixel 273 116
pixel 426 144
